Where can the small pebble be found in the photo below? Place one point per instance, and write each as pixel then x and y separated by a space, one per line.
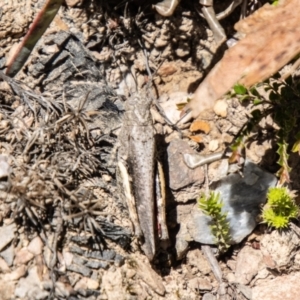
pixel 87 283
pixel 23 256
pixel 213 145
pixel 9 254
pixel 4 268
pixel 198 283
pixel 7 233
pixel 16 274
pixel 85 271
pixel 36 246
pixel 220 108
pixel 61 290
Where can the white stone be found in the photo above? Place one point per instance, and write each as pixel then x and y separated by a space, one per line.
pixel 3 266
pixel 16 274
pixel 7 233
pixel 198 283
pixel 220 108
pixel 87 283
pixel 36 246
pixel 23 256
pixel 280 246
pixel 213 145
pixel 285 287
pixel 248 263
pixel 29 287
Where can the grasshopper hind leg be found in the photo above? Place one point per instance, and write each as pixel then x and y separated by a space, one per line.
pixel 126 185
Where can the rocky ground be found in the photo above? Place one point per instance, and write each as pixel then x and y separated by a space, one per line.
pixel 65 233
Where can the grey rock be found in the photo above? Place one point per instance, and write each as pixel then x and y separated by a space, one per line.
pixel 76 249
pixel 245 290
pixel 209 296
pixel 242 198
pixel 119 260
pixel 97 264
pixel 61 291
pixel 182 214
pixel 79 260
pixel 5 169
pixel 104 255
pixel 8 254
pixel 83 270
pixel 81 240
pixel 7 233
pixel 31 287
pixel 180 176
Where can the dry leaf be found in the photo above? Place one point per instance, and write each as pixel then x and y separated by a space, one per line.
pixel 200 126
pixel 271 39
pixel 196 138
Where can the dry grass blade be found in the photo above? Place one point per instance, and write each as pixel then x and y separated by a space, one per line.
pixel 76 117
pixel 38 27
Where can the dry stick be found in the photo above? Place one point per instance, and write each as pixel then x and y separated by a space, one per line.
pixel 213 262
pixel 36 30
pixel 196 160
pixel 52 264
pixel 234 4
pixel 210 16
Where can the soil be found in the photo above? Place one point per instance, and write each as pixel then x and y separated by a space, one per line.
pixel 65 233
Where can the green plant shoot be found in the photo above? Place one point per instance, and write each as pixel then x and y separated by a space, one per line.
pixel 280 208
pixel 212 206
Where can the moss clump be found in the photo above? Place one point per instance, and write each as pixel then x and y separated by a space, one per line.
pixel 280 208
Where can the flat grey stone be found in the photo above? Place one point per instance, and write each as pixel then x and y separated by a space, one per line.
pixel 7 233
pixel 180 174
pixel 245 290
pixel 103 255
pixel 242 198
pixel 209 296
pixel 97 264
pixel 5 168
pixel 8 254
pixel 83 270
pixel 78 260
pixel 31 287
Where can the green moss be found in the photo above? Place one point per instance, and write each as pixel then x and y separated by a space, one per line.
pixel 280 208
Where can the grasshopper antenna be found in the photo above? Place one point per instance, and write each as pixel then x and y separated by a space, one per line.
pixel 151 82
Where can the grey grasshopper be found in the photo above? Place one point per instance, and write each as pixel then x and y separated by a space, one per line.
pixel 138 167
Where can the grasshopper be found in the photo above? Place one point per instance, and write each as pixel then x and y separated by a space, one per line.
pixel 137 168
